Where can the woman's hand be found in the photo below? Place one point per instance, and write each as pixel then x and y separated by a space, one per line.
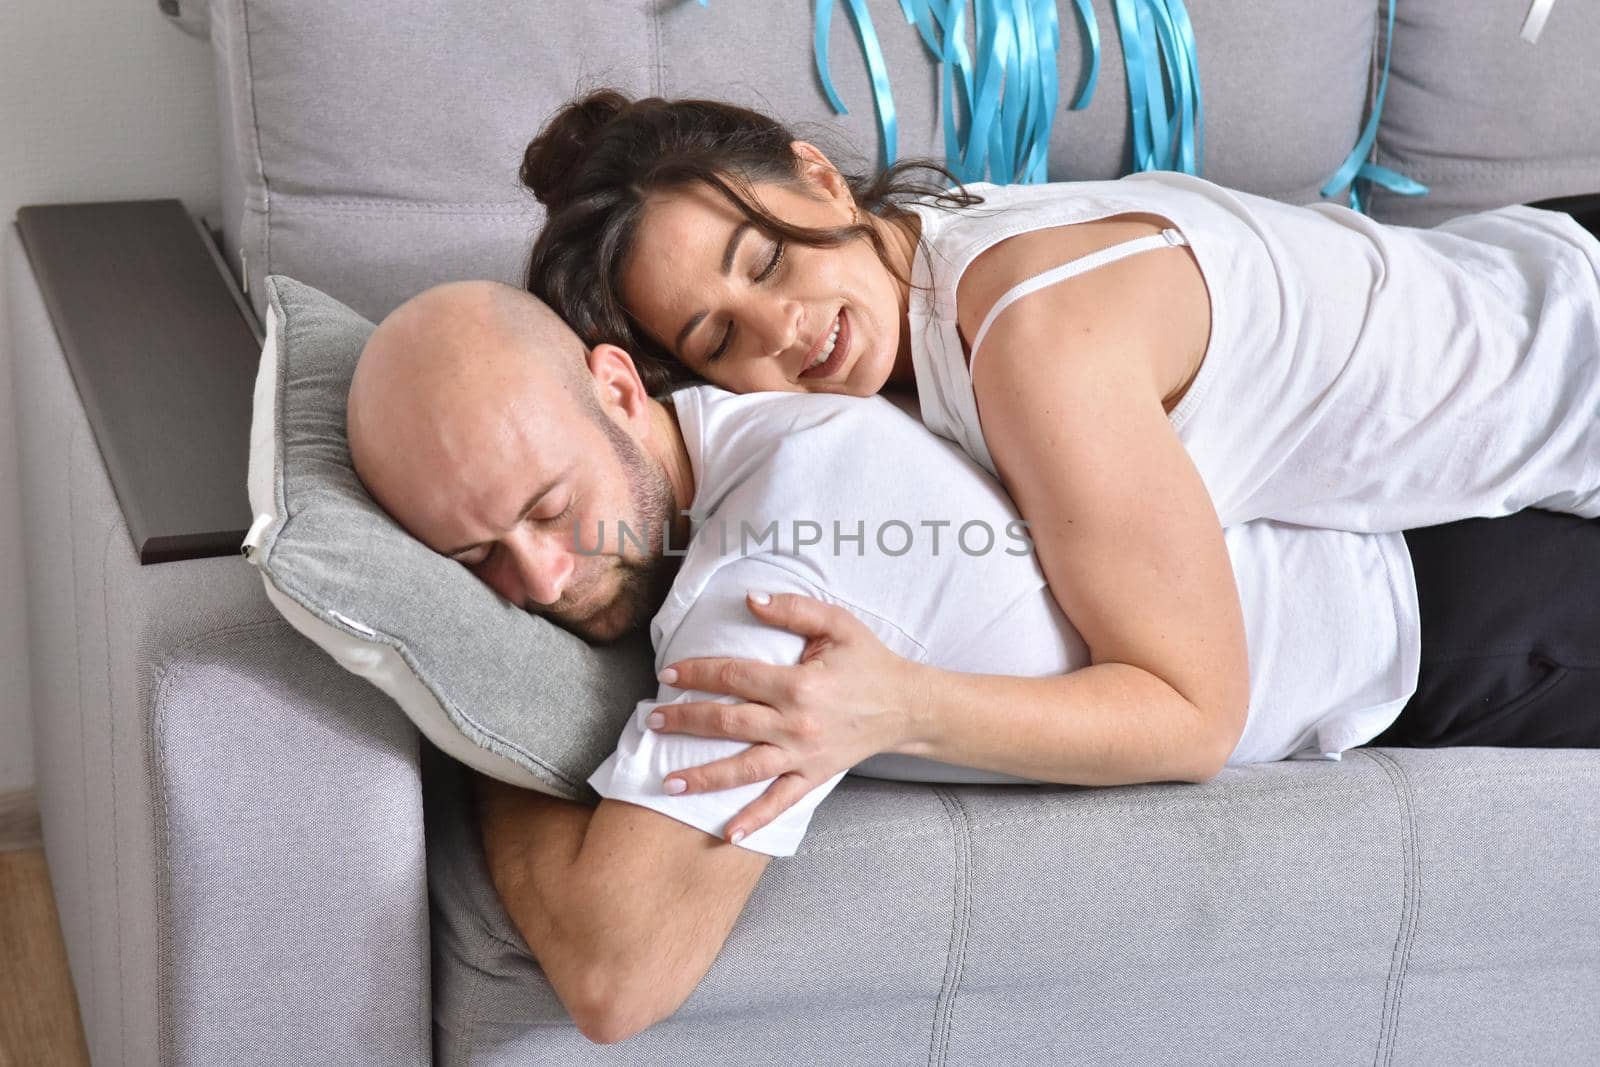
pixel 848 698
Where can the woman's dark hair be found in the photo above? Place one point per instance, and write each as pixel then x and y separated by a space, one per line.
pixel 601 156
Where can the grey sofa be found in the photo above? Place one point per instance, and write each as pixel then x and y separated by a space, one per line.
pixel 243 838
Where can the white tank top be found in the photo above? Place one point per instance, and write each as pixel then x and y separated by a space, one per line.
pixel 1358 376
pixel 1376 653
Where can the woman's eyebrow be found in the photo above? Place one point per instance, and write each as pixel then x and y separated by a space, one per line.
pixel 727 266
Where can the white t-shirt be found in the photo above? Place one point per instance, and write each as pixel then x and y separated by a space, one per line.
pixel 851 501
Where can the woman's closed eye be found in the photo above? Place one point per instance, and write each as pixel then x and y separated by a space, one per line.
pixel 766 272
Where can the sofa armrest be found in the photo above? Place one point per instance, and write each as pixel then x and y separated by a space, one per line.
pixel 163 351
pixel 291 901
pixel 233 823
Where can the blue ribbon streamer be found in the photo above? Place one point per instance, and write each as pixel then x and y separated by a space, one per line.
pixel 959 76
pixel 1356 169
pixel 1047 34
pixel 999 109
pixel 877 69
pixel 1162 63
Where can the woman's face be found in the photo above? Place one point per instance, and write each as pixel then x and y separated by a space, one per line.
pixel 752 312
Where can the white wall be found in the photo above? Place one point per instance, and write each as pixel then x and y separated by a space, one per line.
pixel 99 100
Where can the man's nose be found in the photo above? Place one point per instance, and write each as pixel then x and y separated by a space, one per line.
pixel 544 564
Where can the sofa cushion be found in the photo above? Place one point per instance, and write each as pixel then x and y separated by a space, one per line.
pixel 1405 906
pixel 372 149
pixel 501 690
pixel 1482 117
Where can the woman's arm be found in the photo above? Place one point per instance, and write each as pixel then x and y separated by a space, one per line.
pixel 1069 384
pixel 1107 724
pixel 850 697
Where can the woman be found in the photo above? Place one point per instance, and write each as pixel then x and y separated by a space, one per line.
pixel 1160 357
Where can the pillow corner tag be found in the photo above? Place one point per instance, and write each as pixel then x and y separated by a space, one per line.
pixel 253 538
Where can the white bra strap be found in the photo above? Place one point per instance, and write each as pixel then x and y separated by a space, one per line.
pixel 1165 239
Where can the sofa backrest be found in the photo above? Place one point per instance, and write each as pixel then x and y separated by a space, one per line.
pixel 372 150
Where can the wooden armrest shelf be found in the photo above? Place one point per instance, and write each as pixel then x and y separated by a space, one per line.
pixel 163 352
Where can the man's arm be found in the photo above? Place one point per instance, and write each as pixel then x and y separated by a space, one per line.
pixel 624 908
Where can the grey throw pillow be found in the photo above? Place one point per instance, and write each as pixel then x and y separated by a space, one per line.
pixel 505 692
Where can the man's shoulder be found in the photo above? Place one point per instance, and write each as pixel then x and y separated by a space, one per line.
pixel 717 407
pixel 733 432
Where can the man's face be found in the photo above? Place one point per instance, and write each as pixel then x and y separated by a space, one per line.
pixel 535 508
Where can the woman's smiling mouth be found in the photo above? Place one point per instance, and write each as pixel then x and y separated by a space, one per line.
pixel 832 351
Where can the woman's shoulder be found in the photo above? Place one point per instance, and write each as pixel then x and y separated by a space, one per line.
pixel 1153 303
pixel 1013 260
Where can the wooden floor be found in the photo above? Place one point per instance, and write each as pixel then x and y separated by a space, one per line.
pixel 38 1012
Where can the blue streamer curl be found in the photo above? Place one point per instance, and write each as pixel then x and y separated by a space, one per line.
pixel 1356 169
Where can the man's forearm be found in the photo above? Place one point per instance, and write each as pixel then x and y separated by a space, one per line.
pixel 532 843
pixel 1108 724
pixel 624 908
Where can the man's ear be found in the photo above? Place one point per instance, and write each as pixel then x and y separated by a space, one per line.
pixel 618 387
pixel 818 171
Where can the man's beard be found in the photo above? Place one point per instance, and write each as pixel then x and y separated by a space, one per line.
pixel 643 582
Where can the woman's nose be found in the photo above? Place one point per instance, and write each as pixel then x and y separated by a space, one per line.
pixel 777 327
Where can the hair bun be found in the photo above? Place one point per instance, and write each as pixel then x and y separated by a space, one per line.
pixel 557 154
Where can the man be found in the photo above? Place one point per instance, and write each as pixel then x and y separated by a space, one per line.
pixel 483 426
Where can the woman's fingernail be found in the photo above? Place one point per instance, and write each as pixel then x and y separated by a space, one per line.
pixel 760 598
pixel 738 835
pixel 656 720
pixel 674 785
pixel 669 675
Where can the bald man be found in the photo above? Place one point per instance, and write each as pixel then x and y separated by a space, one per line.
pixel 462 392
pixel 463 388
pixel 478 420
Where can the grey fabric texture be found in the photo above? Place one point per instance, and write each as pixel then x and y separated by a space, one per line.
pixel 510 682
pixel 1400 906
pixel 191 785
pixel 1483 118
pixel 317 872
pixel 372 150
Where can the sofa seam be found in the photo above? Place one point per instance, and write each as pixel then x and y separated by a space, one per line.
pixel 1374 75
pixel 163 830
pixel 1441 167
pixel 657 68
pixel 83 734
pixel 864 840
pixel 255 130
pixel 1400 957
pixel 317 206
pixel 110 533
pixel 960 926
pixel 314 199
pixel 424 1010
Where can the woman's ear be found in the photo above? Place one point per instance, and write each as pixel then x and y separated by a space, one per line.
pixel 618 387
pixel 817 170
